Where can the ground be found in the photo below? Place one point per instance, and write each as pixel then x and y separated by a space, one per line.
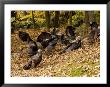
pixel 84 62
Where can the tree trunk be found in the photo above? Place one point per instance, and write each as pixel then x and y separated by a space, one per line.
pixel 56 20
pixel 24 13
pixel 91 16
pixel 87 23
pixel 66 17
pixel 70 18
pixel 87 18
pixel 47 17
pixel 33 19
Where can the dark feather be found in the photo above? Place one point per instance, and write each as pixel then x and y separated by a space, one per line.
pixel 27 65
pixel 44 39
pixel 70 31
pixel 72 46
pixel 51 45
pixel 64 40
pixel 23 36
pixel 32 50
pixel 37 58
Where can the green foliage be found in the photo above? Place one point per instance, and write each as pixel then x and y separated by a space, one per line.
pixel 40 20
pixel 27 17
pixel 77 17
pixel 23 24
pixel 97 16
pixel 12 19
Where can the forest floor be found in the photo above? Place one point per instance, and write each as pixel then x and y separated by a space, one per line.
pixel 83 62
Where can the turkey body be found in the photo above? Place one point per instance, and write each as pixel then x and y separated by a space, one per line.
pixel 64 40
pixel 28 65
pixel 37 58
pixel 23 36
pixel 44 39
pixel 32 49
pixel 73 46
pixel 34 60
pixel 70 32
pixel 51 45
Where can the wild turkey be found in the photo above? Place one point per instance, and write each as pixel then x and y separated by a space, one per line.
pixel 51 45
pixel 93 35
pixel 43 35
pixel 93 24
pixel 39 45
pixel 70 32
pixel 28 65
pixel 53 40
pixel 36 59
pixel 23 36
pixel 33 48
pixel 44 39
pixel 73 46
pixel 64 40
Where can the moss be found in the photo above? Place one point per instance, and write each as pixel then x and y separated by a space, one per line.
pixel 76 72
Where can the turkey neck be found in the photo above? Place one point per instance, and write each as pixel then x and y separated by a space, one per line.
pixel 28 40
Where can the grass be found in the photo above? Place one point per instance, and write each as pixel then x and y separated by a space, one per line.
pixel 76 72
